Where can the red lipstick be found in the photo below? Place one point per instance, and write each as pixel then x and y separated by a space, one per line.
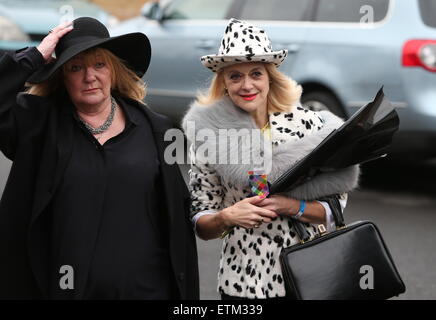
pixel 249 97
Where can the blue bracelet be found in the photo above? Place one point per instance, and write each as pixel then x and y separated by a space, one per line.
pixel 301 210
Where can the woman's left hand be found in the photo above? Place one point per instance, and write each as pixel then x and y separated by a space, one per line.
pixel 280 204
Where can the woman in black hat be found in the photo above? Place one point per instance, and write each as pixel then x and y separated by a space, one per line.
pixel 91 209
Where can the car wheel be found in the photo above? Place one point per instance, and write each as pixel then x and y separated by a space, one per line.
pixel 320 100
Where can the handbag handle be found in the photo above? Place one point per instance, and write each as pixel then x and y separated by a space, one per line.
pixel 336 209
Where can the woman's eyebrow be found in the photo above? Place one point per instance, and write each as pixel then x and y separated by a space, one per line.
pixel 252 70
pixel 234 71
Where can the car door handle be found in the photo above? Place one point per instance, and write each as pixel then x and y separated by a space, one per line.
pixel 205 44
pixel 291 47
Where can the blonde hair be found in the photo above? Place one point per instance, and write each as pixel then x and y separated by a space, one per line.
pixel 124 81
pixel 283 91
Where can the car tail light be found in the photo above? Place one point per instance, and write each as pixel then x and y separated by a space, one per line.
pixel 420 53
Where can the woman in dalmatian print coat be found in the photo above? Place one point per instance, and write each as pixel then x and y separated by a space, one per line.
pixel 248 94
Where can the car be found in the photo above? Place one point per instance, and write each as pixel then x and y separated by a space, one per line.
pixel 36 18
pixel 340 51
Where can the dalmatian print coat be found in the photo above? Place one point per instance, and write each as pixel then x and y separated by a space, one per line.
pixel 249 263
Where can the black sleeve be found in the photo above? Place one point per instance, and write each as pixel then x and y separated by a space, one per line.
pixel 15 69
pixel 29 58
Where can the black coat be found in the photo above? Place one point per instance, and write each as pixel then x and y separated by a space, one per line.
pixel 36 134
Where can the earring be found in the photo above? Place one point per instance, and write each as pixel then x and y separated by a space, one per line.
pixel 226 92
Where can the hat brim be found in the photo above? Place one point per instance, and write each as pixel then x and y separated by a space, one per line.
pixel 133 48
pixel 216 62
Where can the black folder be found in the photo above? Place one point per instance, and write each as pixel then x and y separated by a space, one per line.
pixel 364 137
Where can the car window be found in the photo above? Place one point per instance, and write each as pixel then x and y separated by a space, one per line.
pixel 428 12
pixel 197 9
pixel 351 10
pixel 290 10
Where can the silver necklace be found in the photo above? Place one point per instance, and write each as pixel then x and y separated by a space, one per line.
pixel 106 124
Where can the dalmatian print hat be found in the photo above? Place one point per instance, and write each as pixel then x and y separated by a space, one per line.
pixel 243 42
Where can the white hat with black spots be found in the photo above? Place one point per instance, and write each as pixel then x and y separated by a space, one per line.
pixel 243 42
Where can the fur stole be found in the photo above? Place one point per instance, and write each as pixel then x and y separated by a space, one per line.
pixel 223 114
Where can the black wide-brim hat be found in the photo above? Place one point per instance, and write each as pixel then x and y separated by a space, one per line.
pixel 133 48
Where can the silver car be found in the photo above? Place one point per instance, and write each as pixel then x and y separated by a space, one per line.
pixel 341 51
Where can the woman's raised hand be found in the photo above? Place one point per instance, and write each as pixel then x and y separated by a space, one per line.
pixel 48 44
pixel 247 214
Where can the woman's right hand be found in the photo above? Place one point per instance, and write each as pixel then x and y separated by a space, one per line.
pixel 247 214
pixel 48 44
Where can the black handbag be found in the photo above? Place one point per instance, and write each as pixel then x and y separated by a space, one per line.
pixel 352 262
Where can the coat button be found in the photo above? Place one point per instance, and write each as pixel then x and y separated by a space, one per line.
pixel 181 276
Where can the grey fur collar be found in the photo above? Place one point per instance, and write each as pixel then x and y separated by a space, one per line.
pixel 224 115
